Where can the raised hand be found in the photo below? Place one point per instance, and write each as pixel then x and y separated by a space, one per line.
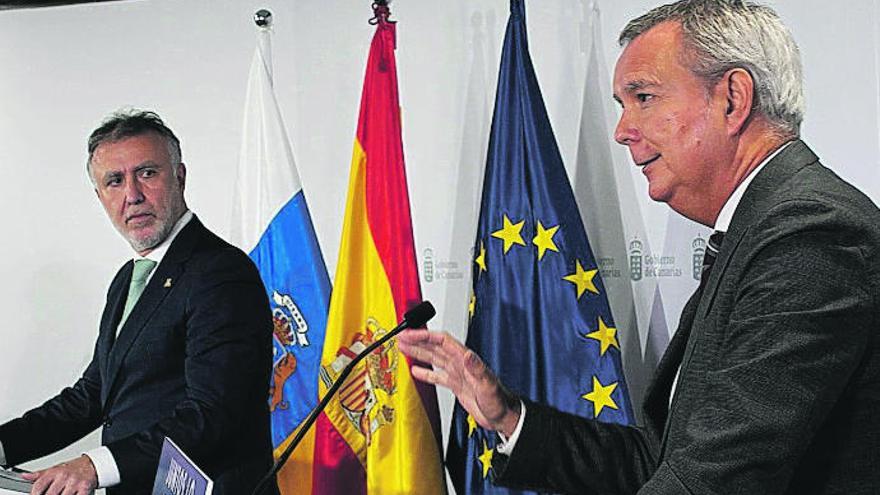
pixel 460 370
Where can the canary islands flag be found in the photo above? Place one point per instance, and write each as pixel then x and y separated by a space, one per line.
pixel 380 434
pixel 539 315
pixel 271 222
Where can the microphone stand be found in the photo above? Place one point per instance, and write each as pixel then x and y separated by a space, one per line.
pixel 313 415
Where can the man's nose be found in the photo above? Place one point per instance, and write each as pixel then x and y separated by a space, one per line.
pixel 626 132
pixel 133 193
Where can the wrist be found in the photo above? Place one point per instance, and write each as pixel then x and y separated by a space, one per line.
pixel 508 422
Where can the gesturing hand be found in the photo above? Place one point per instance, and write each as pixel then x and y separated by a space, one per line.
pixel 75 477
pixel 460 370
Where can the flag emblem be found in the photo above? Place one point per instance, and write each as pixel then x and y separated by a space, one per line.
pixel 365 397
pixel 289 330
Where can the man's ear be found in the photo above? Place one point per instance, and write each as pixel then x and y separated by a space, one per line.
pixel 739 91
pixel 181 175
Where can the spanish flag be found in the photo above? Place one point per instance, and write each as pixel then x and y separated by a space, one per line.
pixel 381 434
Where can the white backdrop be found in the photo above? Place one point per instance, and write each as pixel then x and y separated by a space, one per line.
pixel 63 69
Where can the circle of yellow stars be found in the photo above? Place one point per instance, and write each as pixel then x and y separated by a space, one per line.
pixel 511 234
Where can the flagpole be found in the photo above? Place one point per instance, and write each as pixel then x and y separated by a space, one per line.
pixel 263 20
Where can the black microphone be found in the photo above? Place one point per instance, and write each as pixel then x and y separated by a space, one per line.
pixel 414 318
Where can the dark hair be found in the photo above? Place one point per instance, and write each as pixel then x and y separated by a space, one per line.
pixel 124 124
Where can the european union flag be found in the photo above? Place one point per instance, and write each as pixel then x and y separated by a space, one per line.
pixel 539 315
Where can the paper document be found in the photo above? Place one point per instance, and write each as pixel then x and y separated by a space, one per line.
pixel 12 480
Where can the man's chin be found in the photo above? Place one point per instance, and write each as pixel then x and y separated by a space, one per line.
pixel 659 194
pixel 144 241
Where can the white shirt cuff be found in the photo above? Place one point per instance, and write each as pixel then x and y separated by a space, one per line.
pixel 507 444
pixel 105 466
pixel 2 455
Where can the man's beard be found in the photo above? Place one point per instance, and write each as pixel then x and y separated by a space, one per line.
pixel 154 240
pixel 176 210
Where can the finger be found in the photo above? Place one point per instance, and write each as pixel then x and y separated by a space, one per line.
pixel 445 341
pixel 432 376
pixel 414 351
pixel 56 483
pixel 31 476
pixel 413 336
pixel 433 355
pixel 39 487
pixel 445 347
pixel 75 489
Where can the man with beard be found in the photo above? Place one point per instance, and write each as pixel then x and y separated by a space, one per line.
pixel 184 346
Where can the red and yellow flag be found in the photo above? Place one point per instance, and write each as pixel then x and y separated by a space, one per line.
pixel 381 435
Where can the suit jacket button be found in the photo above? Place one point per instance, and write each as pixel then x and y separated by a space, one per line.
pixel 107 423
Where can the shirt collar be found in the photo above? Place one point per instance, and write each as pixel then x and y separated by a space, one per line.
pixel 725 216
pixel 159 251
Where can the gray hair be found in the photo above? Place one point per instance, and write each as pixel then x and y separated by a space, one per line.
pixel 127 123
pixel 720 35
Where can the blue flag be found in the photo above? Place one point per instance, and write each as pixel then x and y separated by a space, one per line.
pixel 539 315
pixel 271 222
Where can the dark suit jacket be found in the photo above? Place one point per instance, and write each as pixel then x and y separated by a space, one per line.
pixel 779 390
pixel 192 362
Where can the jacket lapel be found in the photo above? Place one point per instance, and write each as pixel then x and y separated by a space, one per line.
pixel 755 202
pixel 109 319
pixel 151 299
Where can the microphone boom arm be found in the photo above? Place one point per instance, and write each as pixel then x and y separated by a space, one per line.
pixel 416 317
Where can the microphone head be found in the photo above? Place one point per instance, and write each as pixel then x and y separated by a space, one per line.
pixel 419 315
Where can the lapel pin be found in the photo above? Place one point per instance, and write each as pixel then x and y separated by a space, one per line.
pixel 167 283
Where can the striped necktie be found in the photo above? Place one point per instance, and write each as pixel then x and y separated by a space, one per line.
pixel 712 248
pixel 139 275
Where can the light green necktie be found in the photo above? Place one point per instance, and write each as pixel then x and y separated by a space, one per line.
pixel 139 276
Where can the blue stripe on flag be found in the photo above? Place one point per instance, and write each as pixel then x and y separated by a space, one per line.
pixel 298 286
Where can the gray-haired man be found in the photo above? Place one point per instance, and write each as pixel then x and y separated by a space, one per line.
pixel 184 347
pixel 771 383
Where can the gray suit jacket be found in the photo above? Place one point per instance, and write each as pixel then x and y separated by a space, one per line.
pixel 779 388
pixel 192 362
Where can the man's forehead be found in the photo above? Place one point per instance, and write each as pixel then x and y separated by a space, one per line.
pixel 632 77
pixel 132 150
pixel 642 61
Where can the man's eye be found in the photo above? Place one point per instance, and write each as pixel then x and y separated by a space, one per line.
pixel 148 172
pixel 113 181
pixel 644 97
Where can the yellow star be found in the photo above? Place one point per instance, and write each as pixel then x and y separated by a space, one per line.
pixel 486 459
pixel 472 306
pixel 544 239
pixel 472 425
pixel 510 234
pixel 607 337
pixel 481 259
pixel 601 396
pixel 582 279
